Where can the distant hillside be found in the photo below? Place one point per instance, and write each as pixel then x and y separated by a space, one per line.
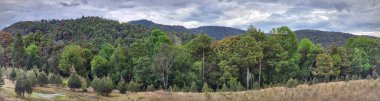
pixel 217 32
pixel 325 38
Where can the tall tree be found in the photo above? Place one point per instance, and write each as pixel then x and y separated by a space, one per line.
pixel 325 66
pixel 18 52
pixel 33 56
pixel 72 59
pixel 199 48
pixel 122 64
pixel 106 51
pixel 360 62
pixel 163 63
pixel 99 66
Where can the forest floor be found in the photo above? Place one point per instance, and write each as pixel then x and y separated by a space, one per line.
pixel 356 90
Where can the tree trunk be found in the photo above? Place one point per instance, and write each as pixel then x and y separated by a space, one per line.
pixel 203 66
pixel 247 78
pixel 260 73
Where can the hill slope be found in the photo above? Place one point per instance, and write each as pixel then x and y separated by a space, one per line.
pixel 325 38
pixel 217 32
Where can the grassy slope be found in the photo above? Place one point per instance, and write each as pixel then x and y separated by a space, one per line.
pixel 357 90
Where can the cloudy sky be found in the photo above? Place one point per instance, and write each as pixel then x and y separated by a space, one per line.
pixel 354 16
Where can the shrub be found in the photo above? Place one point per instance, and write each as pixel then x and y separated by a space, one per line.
pixel 375 75
pixel 256 86
pixel 74 81
pixel 150 88
pixel 95 83
pixel 22 86
pixel 193 87
pixel 104 86
pixel 205 88
pixel 1 78
pixel 185 88
pixel 369 77
pixel 174 88
pixel 31 77
pixel 55 79
pixel 239 87
pixel 224 88
pixel 292 83
pixel 133 86
pixel 12 75
pixel 42 79
pixel 83 84
pixel 122 87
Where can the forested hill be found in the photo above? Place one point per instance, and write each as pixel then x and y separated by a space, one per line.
pixel 217 32
pixel 325 38
pixel 88 30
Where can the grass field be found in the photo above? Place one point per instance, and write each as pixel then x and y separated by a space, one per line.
pixel 357 90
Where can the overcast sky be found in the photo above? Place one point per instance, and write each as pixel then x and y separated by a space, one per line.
pixel 354 16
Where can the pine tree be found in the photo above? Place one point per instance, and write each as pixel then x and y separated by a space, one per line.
pixel 22 86
pixel 74 81
pixel 122 87
pixel 150 88
pixel 205 88
pixel 18 52
pixel 193 87
pixel 12 75
pixel 42 79
pixel 1 78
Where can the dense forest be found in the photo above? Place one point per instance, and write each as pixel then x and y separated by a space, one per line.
pixel 106 53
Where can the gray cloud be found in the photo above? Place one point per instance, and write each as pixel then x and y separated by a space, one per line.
pixel 356 16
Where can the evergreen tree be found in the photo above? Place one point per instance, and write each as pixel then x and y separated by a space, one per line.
pixel 193 87
pixel 150 88
pixel 122 87
pixel 22 86
pixel 42 79
pixel 1 78
pixel 33 56
pixel 18 52
pixel 205 88
pixel 12 75
pixel 74 81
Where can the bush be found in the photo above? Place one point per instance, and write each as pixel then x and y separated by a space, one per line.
pixel 185 89
pixel 42 79
pixel 74 81
pixel 55 79
pixel 22 86
pixel 133 86
pixel 174 88
pixel 239 87
pixel 150 88
pixel 12 75
pixel 193 87
pixel 83 84
pixel 31 77
pixel 375 75
pixel 205 88
pixel 95 83
pixel 122 87
pixel 1 78
pixel 104 86
pixel 224 88
pixel 256 86
pixel 292 83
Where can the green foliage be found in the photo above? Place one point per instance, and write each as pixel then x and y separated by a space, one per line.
pixel 1 77
pixel 55 80
pixel 122 87
pixel 205 88
pixel 224 88
pixel 33 53
pixel 193 87
pixel 292 83
pixel 22 86
pixel 103 86
pixel 150 88
pixel 99 66
pixel 18 52
pixel 32 77
pixel 95 83
pixel 239 87
pixel 121 63
pixel 133 86
pixel 174 88
pixel 144 71
pixel 155 40
pixel 12 75
pixel 74 82
pixel 360 62
pixel 325 66
pixel 375 75
pixel 106 51
pixel 72 58
pixel 42 79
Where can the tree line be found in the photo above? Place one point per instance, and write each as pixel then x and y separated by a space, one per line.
pixel 248 61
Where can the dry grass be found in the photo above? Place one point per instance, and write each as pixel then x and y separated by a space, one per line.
pixel 358 90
